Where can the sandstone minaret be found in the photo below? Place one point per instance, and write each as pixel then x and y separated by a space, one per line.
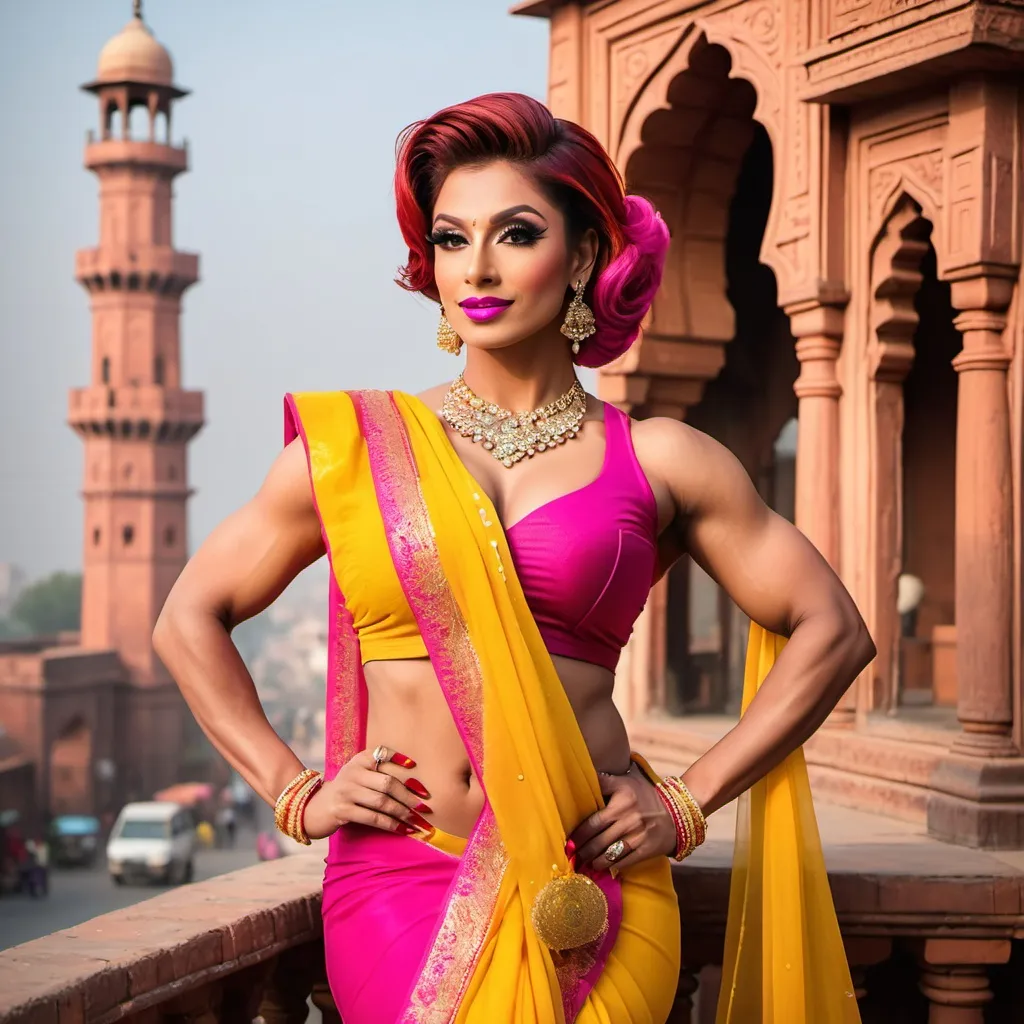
pixel 135 418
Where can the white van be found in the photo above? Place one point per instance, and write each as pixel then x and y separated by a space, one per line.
pixel 152 842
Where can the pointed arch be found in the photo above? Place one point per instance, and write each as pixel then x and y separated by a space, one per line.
pixel 685 133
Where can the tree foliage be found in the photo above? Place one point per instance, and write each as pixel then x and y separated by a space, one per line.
pixel 51 604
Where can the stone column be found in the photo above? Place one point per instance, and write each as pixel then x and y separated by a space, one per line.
pixel 981 261
pixel 818 329
pixel 954 977
pixel 984 516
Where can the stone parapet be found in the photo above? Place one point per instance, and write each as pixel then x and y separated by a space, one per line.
pixel 250 943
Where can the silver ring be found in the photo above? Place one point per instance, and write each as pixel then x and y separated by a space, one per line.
pixel 380 755
pixel 616 851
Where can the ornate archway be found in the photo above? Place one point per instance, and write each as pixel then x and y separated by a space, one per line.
pixel 682 143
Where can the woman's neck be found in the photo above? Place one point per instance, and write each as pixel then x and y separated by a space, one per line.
pixel 519 380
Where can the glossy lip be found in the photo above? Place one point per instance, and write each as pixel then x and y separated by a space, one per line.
pixel 486 302
pixel 480 314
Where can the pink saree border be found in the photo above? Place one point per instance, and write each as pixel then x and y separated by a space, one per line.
pixel 464 924
pixel 346 706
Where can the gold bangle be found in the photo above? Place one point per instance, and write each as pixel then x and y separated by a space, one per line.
pixel 297 808
pixel 285 802
pixel 696 815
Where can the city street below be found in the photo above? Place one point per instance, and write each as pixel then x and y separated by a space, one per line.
pixel 78 894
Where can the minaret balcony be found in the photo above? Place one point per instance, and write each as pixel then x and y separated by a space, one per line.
pixel 150 268
pixel 136 153
pixel 141 412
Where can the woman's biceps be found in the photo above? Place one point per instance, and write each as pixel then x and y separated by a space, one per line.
pixel 766 566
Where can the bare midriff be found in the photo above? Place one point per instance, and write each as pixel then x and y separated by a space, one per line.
pixel 408 713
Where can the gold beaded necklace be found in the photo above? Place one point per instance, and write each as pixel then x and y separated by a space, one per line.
pixel 510 436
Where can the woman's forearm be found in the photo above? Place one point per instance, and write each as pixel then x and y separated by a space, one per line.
pixel 198 652
pixel 824 655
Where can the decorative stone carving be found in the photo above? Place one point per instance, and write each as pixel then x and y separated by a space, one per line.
pixel 750 33
pixel 846 15
pixel 632 69
pixel 923 173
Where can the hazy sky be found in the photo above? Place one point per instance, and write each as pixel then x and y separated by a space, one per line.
pixel 291 127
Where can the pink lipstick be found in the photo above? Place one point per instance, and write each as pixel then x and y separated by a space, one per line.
pixel 484 308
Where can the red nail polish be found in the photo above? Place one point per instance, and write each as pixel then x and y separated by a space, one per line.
pixel 406 830
pixel 418 820
pixel 403 761
pixel 417 787
pixel 423 808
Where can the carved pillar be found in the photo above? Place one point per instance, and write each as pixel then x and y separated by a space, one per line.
pixel 954 977
pixel 984 516
pixel 958 995
pixel 982 261
pixel 978 788
pixel 818 329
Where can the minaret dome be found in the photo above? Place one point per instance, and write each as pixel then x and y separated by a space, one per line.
pixel 133 55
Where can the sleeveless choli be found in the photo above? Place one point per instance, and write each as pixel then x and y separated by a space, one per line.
pixel 586 561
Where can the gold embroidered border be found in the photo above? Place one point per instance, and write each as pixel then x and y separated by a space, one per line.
pixel 463 928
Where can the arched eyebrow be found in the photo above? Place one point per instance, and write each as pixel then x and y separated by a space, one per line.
pixel 498 218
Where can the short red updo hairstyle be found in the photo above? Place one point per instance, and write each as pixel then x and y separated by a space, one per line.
pixel 572 169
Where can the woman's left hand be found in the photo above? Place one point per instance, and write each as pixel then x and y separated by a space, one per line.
pixel 636 815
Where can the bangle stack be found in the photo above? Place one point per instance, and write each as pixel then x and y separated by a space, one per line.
pixel 691 826
pixel 291 804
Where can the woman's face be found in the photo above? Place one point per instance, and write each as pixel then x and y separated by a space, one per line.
pixel 502 260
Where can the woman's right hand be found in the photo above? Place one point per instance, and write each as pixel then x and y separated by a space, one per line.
pixel 363 795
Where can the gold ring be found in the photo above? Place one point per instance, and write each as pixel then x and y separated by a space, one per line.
pixel 380 755
pixel 616 851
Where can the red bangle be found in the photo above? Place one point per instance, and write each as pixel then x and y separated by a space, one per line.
pixel 682 839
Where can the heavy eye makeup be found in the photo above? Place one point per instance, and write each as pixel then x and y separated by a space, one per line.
pixel 517 233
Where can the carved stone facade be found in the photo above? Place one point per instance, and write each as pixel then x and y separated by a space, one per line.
pixel 842 179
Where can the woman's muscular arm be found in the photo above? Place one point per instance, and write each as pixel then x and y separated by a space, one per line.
pixel 240 569
pixel 778 578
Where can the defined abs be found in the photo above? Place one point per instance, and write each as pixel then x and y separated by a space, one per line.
pixel 408 713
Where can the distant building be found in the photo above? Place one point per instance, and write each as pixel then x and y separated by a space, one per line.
pixel 99 715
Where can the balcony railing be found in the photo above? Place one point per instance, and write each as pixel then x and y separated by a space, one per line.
pixel 925 941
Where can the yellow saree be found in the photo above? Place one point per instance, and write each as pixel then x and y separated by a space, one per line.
pixel 486 964
pixel 388 453
pixel 784 960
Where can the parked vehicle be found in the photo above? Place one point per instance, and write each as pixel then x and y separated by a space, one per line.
pixel 152 842
pixel 74 839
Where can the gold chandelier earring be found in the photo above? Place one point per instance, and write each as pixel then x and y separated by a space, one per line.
pixel 579 319
pixel 447 339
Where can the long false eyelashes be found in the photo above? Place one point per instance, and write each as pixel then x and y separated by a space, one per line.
pixel 518 233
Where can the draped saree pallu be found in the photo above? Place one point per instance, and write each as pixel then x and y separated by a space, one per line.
pixel 439 930
pixel 784 960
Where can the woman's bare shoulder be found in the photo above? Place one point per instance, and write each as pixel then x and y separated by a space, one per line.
pixel 692 464
pixel 663 442
pixel 434 396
